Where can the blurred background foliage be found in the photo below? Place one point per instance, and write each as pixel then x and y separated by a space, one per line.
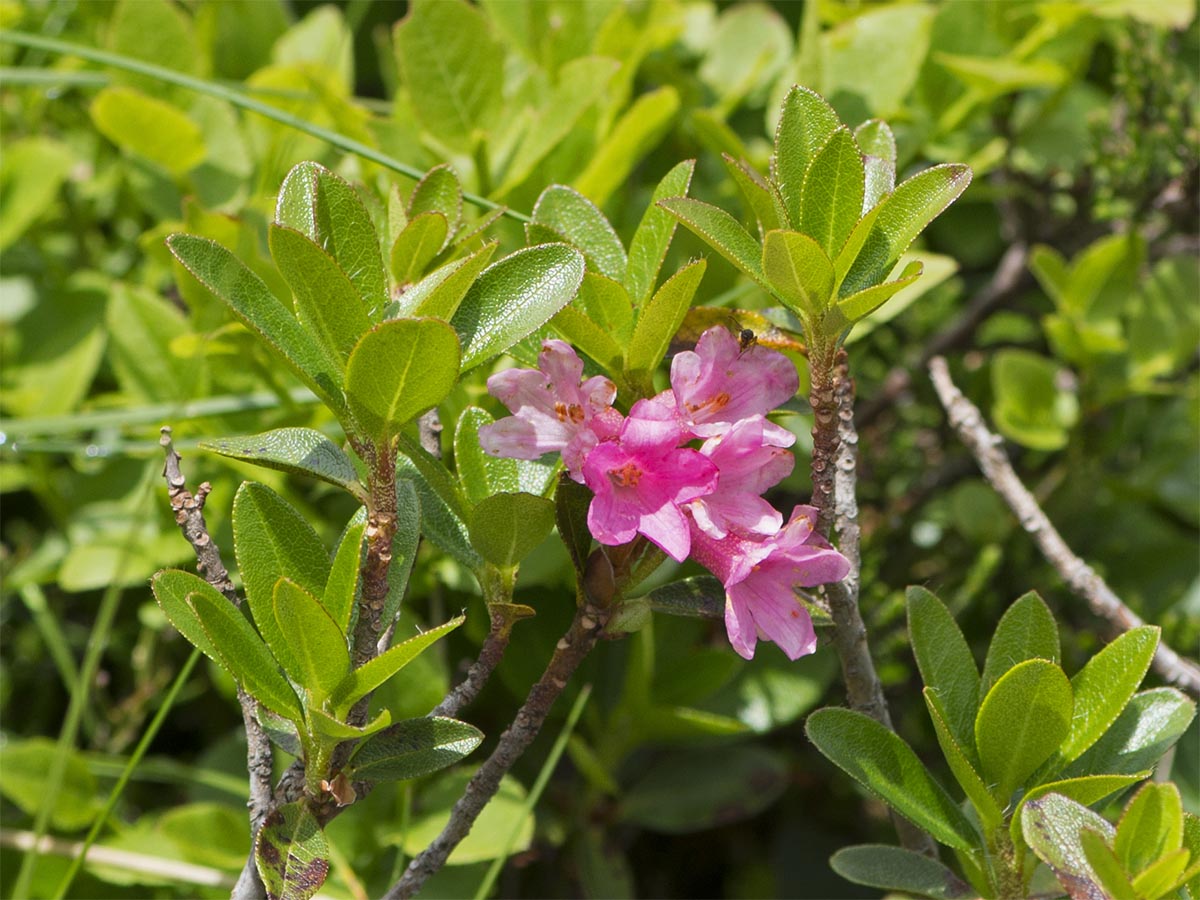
pixel 1063 286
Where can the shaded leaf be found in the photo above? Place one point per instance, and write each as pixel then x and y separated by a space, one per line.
pixel 316 645
pixel 341 588
pixel 172 587
pixel 946 664
pixel 761 195
pixel 571 501
pixel 885 765
pixel 301 451
pixel 1052 826
pixel 404 547
pixel 507 527
pixel 26 765
pixel 660 319
pixel 894 868
pixel 480 473
pixel 412 748
pixel 964 770
pixel 416 246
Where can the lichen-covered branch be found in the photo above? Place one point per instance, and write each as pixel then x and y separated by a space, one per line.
pixel 1081 578
pixel 864 691
pixel 574 646
pixel 189 516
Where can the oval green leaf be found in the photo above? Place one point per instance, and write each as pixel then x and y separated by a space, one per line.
pixel 1022 720
pixel 576 218
pixel 361 681
pixel 946 664
pixel 806 123
pixel 660 319
pixel 507 527
pixel 301 451
pixel 648 247
pixel 1027 630
pixel 832 200
pixel 722 232
pixel 897 869
pixel 412 748
pixel 399 370
pixel 316 645
pixel 799 273
pixel 291 853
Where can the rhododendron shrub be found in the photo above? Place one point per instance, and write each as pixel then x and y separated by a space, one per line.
pixel 686 469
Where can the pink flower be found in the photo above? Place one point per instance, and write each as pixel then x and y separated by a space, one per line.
pixel 750 459
pixel 720 383
pixel 551 409
pixel 641 478
pixel 760 579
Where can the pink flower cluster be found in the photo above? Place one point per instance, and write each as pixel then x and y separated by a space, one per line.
pixel 705 502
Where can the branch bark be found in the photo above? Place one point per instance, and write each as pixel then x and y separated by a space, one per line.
pixel 1081 578
pixel 189 516
pixel 574 646
pixel 481 670
pixel 836 429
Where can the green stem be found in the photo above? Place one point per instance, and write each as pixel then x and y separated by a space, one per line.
pixel 237 98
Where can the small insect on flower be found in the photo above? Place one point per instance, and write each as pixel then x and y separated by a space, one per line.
pixel 746 340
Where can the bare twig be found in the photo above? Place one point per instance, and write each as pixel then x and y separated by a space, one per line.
pixel 571 650
pixel 863 688
pixel 1080 577
pixel 381 528
pixel 1010 278
pixel 189 516
pixel 481 670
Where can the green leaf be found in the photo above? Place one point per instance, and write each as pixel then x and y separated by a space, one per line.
pixel 412 748
pixel 514 297
pixel 722 232
pixel 327 210
pixel 367 677
pixel 1164 877
pixel 327 726
pixel 208 834
pixel 579 330
pixel 607 303
pixel 440 292
pixel 171 589
pixel 481 474
pixel 1148 726
pixel 1052 826
pixel 440 522
pixel 1107 868
pixel 964 770
pixel 897 869
pixel 1105 685
pixel 1029 405
pixel 34 171
pixel 242 653
pixel 438 191
pixel 341 588
pixel 648 248
pixel 291 853
pixel 142 328
pixel 799 272
pixel 26 765
pixel 404 547
pixel 1027 630
pixel 301 451
pixel 739 782
pixel 946 664
pixel 876 56
pixel 416 246
pixel 399 370
pixel 761 195
pixel 571 501
pixel 577 219
pixel 1087 790
pixel 660 319
pixel 504 825
pixel 635 134
pixel 257 308
pixel 327 302
pixel 887 766
pixel 150 128
pixel 858 306
pixel 806 123
pixel 272 541
pixel 452 68
pixel 507 527
pixel 1022 720
pixel 316 645
pixel 878 146
pixel 832 199
pixel 1191 842
pixel 581 82
pixel 1151 827
pixel 903 215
